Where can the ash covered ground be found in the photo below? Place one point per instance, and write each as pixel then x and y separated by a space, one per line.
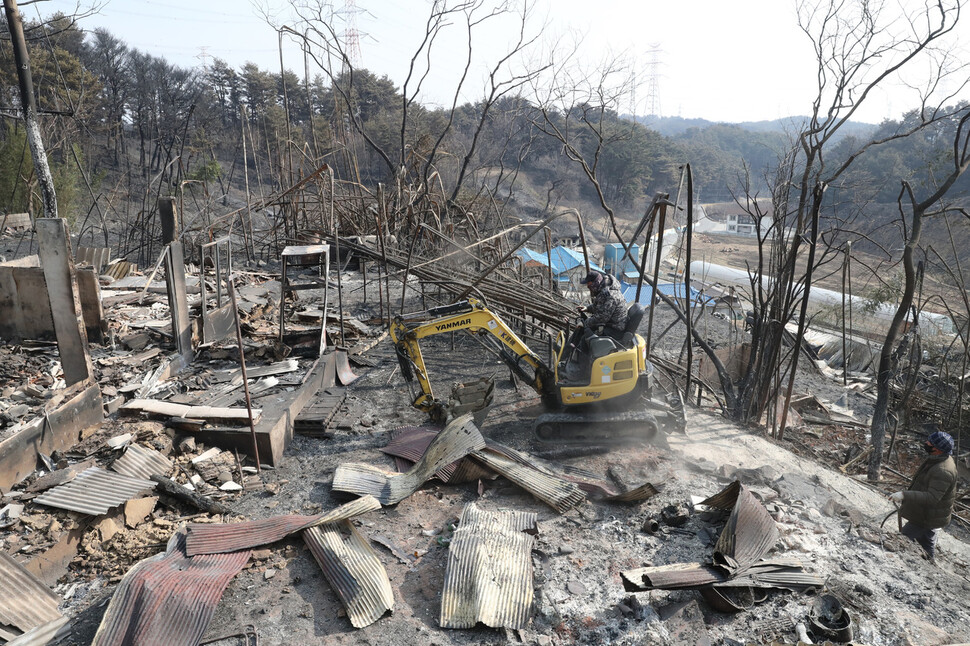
pixel 829 520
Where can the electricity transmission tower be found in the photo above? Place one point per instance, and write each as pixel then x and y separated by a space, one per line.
pixel 653 81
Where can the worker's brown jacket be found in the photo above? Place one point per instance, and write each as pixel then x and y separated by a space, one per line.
pixel 929 500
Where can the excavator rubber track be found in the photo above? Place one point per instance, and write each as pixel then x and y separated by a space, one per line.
pixel 620 428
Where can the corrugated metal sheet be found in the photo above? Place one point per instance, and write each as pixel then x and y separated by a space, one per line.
pixel 95 491
pixel 25 602
pixel 748 535
pixel 554 491
pixel 208 538
pixel 169 598
pixel 49 633
pixel 668 577
pixel 142 462
pixel 353 569
pixel 738 555
pixel 410 443
pixel 587 481
pixel 457 440
pixel 489 573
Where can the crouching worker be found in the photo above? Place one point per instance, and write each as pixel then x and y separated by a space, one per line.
pixel 927 505
pixel 606 314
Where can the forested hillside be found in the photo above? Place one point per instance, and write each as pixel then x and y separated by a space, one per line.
pixel 123 127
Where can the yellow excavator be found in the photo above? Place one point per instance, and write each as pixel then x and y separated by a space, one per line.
pixel 612 403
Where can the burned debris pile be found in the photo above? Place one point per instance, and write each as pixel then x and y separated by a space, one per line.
pixel 212 443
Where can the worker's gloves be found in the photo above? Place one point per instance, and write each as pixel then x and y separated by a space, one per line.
pixel 896 497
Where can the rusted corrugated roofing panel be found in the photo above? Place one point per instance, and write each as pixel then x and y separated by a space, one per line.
pixel 168 598
pixel 554 491
pixel 457 440
pixel 353 569
pixel 208 538
pixel 410 443
pixel 489 574
pixel 49 633
pixel 25 602
pixel 142 462
pixel 94 491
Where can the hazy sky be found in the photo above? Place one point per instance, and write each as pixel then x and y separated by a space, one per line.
pixel 740 60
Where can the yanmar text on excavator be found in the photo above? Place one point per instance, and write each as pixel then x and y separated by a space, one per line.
pixel 613 402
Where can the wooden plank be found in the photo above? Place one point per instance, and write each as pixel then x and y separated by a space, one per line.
pixel 25 311
pixel 57 261
pixel 67 418
pixel 155 407
pixel 89 291
pixel 168 217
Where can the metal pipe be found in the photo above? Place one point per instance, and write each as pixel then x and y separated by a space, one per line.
pixel 656 273
pixel 242 367
pixel 687 300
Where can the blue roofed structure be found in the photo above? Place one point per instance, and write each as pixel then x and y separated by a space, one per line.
pixel 565 261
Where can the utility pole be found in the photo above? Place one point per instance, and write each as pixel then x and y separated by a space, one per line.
pixel 41 168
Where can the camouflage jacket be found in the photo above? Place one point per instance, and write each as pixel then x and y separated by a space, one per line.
pixel 608 307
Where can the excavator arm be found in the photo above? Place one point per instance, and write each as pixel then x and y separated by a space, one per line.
pixel 471 315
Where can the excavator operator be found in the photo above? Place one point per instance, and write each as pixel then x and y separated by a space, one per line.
pixel 605 315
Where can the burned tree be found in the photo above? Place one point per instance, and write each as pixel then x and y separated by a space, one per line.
pixel 919 210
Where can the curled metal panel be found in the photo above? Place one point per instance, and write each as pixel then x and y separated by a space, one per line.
pixel 748 535
pixel 142 462
pixel 345 374
pixel 550 489
pixel 457 440
pixel 410 443
pixel 738 560
pixel 25 602
pixel 94 491
pixel 353 569
pixel 587 481
pixel 168 598
pixel 209 538
pixel 489 573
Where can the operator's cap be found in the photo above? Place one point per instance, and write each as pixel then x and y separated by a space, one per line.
pixel 594 279
pixel 942 441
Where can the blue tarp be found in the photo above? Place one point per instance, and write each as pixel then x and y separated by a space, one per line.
pixel 673 290
pixel 563 259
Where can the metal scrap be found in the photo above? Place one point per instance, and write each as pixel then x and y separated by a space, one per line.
pixel 208 538
pixel 410 443
pixel 738 560
pixel 25 602
pixel 50 633
pixel 141 462
pixel 457 440
pixel 95 491
pixel 552 490
pixel 489 573
pixel 351 566
pixel 168 598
